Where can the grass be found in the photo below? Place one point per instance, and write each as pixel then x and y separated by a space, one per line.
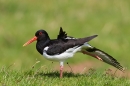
pixel 47 77
pixel 20 19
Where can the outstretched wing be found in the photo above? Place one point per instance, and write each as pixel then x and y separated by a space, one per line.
pixel 101 55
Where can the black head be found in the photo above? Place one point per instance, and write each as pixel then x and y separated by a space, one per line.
pixel 41 35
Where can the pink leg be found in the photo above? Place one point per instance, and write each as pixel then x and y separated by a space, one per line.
pixel 61 69
pixel 97 57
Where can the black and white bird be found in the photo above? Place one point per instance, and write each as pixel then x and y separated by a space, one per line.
pixel 65 47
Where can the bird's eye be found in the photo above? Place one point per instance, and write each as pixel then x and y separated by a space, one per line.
pixel 40 33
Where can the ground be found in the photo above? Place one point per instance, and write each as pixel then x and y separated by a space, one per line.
pixel 89 65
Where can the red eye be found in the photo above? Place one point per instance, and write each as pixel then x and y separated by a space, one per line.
pixel 40 33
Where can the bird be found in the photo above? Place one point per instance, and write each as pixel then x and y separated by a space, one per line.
pixel 65 47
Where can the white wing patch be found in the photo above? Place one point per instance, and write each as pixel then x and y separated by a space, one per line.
pixel 68 37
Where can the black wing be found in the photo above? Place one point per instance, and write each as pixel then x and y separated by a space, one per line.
pixel 58 47
pixel 62 34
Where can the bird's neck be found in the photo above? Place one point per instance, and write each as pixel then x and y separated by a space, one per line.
pixel 41 45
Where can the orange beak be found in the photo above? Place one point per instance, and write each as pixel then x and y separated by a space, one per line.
pixel 30 41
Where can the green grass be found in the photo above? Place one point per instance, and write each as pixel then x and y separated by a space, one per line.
pixel 47 77
pixel 20 19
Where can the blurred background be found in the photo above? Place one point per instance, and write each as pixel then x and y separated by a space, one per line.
pixel 20 19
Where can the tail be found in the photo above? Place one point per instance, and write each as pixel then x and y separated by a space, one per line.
pixel 101 55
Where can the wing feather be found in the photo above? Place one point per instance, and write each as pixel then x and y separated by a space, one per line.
pixel 103 56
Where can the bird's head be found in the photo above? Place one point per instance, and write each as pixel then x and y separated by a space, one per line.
pixel 39 35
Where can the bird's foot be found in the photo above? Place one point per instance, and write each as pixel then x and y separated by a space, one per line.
pixel 98 58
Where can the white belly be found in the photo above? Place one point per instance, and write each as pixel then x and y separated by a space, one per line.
pixel 63 56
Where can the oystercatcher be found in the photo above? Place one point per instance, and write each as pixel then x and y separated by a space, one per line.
pixel 65 47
